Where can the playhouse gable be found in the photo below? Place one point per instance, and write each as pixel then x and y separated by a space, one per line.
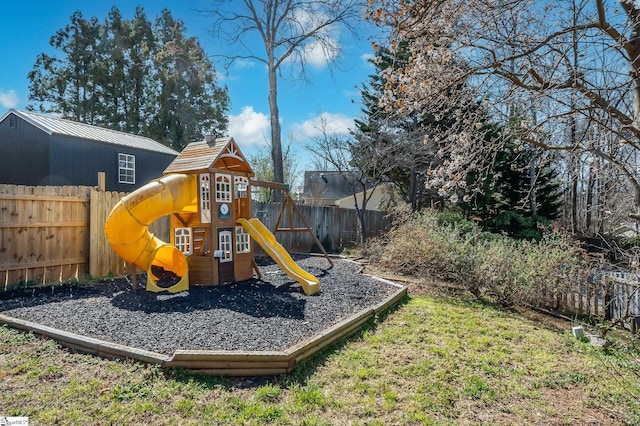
pixel 211 154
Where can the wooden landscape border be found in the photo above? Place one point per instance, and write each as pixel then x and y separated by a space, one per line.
pixel 219 363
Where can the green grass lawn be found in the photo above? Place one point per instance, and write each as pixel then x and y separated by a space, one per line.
pixel 432 360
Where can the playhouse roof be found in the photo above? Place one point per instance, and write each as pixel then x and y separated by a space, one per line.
pixel 210 154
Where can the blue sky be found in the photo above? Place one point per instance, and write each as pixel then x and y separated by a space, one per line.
pixel 27 25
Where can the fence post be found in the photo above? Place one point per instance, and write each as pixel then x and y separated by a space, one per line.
pixel 608 306
pixel 635 324
pixel 102 181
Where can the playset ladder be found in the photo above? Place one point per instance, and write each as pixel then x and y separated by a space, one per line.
pixel 288 205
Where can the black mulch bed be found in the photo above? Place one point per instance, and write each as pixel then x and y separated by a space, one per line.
pixel 271 314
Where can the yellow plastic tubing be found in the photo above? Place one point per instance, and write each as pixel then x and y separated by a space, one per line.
pixel 127 227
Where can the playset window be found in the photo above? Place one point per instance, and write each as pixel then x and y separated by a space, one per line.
pixel 224 244
pixel 241 183
pixel 205 198
pixel 242 240
pixel 183 240
pixel 223 188
pixel 126 168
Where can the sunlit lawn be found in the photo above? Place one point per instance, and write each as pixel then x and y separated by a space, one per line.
pixel 430 361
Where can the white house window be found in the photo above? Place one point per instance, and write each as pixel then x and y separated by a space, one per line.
pixel 224 244
pixel 126 168
pixel 242 240
pixel 223 188
pixel 205 198
pixel 183 240
pixel 241 183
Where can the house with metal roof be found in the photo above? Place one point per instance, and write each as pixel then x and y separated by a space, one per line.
pixel 38 149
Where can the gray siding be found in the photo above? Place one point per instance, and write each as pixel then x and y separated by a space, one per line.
pixel 24 154
pixel 79 161
pixel 30 156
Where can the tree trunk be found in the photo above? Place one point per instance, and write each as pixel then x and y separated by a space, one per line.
pixel 363 225
pixel 575 166
pixel 633 51
pixel 601 196
pixel 574 197
pixel 413 186
pixel 533 199
pixel 276 137
pixel 591 186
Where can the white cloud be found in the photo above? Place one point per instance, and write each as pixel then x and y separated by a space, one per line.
pixel 319 54
pixel 324 47
pixel 221 76
pixel 366 57
pixel 244 63
pixel 8 99
pixel 249 128
pixel 333 124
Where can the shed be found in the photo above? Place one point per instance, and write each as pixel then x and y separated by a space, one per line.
pixel 38 149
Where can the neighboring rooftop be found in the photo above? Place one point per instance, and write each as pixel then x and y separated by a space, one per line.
pixel 325 187
pixel 60 126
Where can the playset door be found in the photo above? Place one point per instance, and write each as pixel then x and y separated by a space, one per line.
pixel 225 263
pixel 242 203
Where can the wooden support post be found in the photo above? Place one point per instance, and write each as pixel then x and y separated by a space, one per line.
pixel 290 205
pixel 254 265
pixel 290 210
pixel 133 269
pixel 284 205
pixel 315 239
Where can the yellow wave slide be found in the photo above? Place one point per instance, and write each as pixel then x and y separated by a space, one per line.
pixel 266 240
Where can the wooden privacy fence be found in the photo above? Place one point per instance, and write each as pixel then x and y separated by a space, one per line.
pixel 613 296
pixel 336 228
pixel 43 233
pixel 56 233
pixel 624 302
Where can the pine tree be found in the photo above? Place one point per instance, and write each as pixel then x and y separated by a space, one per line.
pixel 132 76
pixel 65 85
pixel 399 138
pixel 190 103
pixel 503 204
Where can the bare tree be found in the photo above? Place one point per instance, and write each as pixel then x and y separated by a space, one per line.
pixel 291 32
pixel 514 49
pixel 361 163
pixel 263 168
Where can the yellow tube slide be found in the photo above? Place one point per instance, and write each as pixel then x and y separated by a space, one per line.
pixel 261 235
pixel 127 230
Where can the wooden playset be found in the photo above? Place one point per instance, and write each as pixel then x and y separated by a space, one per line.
pixel 206 191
